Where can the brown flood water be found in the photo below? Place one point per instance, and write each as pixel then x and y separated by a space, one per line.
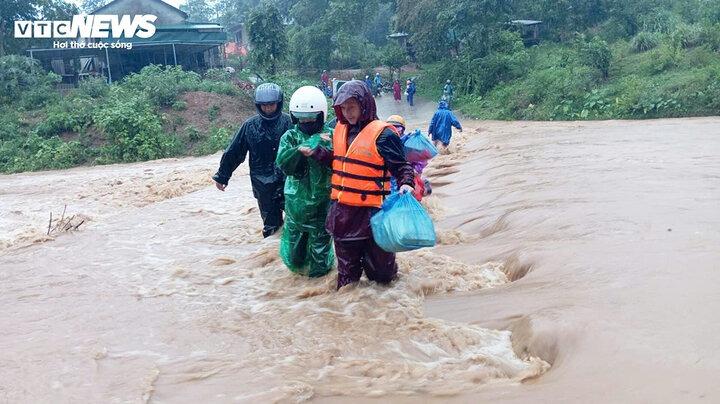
pixel 577 261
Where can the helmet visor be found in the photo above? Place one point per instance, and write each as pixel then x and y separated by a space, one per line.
pixel 306 116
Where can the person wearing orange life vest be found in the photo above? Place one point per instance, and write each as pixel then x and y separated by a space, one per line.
pixel 366 152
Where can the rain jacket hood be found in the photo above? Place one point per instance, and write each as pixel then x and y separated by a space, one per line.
pixel 358 90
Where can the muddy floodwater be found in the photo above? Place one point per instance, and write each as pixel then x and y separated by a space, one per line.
pixel 577 262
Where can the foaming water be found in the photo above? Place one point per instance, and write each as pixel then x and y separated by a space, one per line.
pixel 171 294
pixel 365 340
pixel 552 248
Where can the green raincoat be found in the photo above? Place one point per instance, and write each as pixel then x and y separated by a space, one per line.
pixel 305 246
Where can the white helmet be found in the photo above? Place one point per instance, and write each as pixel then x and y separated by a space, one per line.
pixel 307 101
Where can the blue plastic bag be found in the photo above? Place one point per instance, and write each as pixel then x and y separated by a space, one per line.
pixel 418 147
pixel 402 224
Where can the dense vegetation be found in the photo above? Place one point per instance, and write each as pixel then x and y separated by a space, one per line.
pixel 595 59
pixel 97 123
pixel 645 59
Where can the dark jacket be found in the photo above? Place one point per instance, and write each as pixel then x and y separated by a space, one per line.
pixel 347 222
pixel 261 138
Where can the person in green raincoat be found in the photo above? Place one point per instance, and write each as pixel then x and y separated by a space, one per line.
pixel 305 246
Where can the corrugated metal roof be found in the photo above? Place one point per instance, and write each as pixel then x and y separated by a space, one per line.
pixel 526 22
pixel 99 10
pixel 190 25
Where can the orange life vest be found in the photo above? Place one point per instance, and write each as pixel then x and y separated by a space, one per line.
pixel 359 177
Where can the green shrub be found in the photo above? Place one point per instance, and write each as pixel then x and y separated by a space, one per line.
pixel 217 75
pixel 9 125
pixel 72 114
pixel 665 57
pixel 192 133
pixel 686 36
pixel 596 53
pixel 218 140
pixel 133 129
pixel 93 87
pixel 645 41
pixel 614 29
pixel 179 105
pixel 162 85
pixel 213 112
pixel 22 79
pixel 56 154
pixel 660 20
pixel 710 35
pixel 35 153
pixel 39 97
pixel 218 87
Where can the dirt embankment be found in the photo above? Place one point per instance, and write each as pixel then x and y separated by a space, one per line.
pixel 205 111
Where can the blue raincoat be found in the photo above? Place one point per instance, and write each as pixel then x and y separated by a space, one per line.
pixel 369 84
pixel 442 123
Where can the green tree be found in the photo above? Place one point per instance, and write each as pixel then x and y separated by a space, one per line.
pixel 198 10
pixel 306 12
pixel 89 6
pixel 233 12
pixel 442 28
pixel 597 54
pixel 16 10
pixel 310 47
pixel 267 35
pixel 11 11
pixel 394 57
pixel 21 76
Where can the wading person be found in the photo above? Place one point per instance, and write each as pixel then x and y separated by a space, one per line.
pixel 410 92
pixel 448 92
pixel 396 91
pixel 306 247
pixel 440 129
pixel 260 137
pixel 366 151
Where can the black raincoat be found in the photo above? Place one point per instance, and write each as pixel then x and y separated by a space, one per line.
pixel 261 138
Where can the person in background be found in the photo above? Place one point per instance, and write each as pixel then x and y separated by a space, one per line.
pixel 396 91
pixel 369 83
pixel 440 129
pixel 377 82
pixel 448 92
pixel 398 122
pixel 410 91
pixel 422 184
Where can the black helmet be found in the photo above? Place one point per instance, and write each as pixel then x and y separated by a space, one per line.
pixel 269 93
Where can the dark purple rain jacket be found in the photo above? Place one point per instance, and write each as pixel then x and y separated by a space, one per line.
pixel 345 222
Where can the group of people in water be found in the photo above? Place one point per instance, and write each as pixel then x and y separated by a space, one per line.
pixel 328 181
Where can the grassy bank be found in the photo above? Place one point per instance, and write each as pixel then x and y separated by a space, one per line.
pixel 652 79
pixel 157 113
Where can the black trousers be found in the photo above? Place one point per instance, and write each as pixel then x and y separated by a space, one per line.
pixel 271 202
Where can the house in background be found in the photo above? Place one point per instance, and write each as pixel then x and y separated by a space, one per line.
pixel 529 31
pixel 401 38
pixel 240 43
pixel 193 45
